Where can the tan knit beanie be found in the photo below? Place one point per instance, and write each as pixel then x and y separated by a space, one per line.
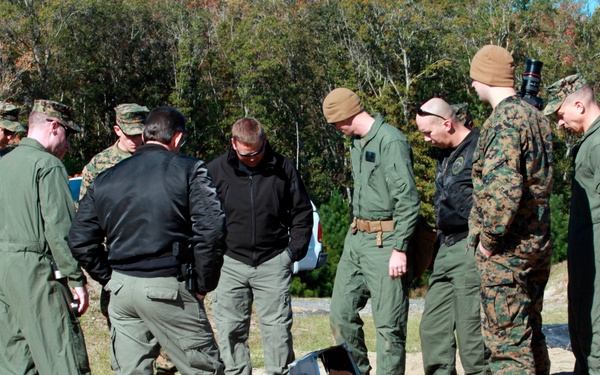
pixel 341 104
pixel 494 66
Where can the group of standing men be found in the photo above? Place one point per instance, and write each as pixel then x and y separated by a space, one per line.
pixel 159 230
pixel 492 205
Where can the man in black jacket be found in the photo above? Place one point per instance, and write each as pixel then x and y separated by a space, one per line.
pixel 164 229
pixel 269 225
pixel 452 304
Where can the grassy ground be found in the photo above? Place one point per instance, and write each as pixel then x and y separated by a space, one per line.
pixel 310 332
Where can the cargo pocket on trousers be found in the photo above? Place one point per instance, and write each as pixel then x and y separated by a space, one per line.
pixel 501 301
pixel 198 352
pixel 114 361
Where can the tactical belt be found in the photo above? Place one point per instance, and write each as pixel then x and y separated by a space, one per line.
pixel 451 239
pixel 373 226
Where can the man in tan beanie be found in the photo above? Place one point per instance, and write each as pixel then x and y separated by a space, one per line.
pixel 385 206
pixel 510 219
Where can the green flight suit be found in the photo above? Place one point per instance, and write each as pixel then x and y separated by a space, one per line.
pixel 38 330
pixel 584 254
pixel 384 189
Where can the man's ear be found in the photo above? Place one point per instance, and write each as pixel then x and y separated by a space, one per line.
pixel 447 124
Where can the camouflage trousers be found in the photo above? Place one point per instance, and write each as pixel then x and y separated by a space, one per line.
pixel 512 295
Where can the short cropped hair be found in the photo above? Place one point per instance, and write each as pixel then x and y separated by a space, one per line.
pixel 162 124
pixel 248 130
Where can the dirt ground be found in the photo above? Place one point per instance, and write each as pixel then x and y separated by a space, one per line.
pixel 562 363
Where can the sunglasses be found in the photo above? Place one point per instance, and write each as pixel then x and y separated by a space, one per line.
pixel 68 131
pixel 421 112
pixel 251 154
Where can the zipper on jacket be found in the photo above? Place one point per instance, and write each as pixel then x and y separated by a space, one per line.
pixel 253 222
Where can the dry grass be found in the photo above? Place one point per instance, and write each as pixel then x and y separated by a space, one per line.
pixel 310 332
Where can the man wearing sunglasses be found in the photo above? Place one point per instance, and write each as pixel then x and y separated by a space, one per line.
pixel 510 220
pixel 9 126
pixel 269 225
pixel 385 206
pixel 39 330
pixel 452 301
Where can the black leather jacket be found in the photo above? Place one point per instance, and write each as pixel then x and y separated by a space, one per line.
pixel 268 211
pixel 143 206
pixel 454 187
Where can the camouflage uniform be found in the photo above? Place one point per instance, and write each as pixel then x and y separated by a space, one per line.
pixel 512 180
pixel 583 253
pixel 9 120
pixel 130 118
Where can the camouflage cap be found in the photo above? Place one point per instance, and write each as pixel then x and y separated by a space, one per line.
pixel 131 118
pixel 57 110
pixel 463 114
pixel 9 118
pixel 559 90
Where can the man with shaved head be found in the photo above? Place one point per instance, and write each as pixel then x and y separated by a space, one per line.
pixel 452 301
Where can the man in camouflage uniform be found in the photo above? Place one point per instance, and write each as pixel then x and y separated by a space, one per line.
pixel 9 125
pixel 572 100
pixel 510 220
pixel 385 206
pixel 129 127
pixel 452 301
pixel 39 331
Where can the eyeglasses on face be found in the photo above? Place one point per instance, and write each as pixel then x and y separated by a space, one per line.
pixel 251 154
pixel 8 133
pixel 421 112
pixel 68 131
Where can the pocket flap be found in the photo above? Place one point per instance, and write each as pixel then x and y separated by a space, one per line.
pixel 163 293
pixel 113 286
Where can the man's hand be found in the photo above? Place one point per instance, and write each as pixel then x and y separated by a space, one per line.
pixel 398 265
pixel 487 253
pixel 81 294
pixel 199 296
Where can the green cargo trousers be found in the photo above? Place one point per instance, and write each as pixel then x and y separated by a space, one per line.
pixel 452 304
pixel 146 312
pixel 362 274
pixel 267 286
pixel 39 332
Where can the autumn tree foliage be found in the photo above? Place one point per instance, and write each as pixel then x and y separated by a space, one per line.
pixel 276 60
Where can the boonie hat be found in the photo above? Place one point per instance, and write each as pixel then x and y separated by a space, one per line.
pixel 131 118
pixel 340 104
pixel 58 110
pixel 494 66
pixel 9 118
pixel 559 90
pixel 463 114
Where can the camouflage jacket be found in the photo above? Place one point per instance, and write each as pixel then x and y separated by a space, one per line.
pixel 99 163
pixel 512 181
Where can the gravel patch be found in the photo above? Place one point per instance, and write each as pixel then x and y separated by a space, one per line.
pixel 320 306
